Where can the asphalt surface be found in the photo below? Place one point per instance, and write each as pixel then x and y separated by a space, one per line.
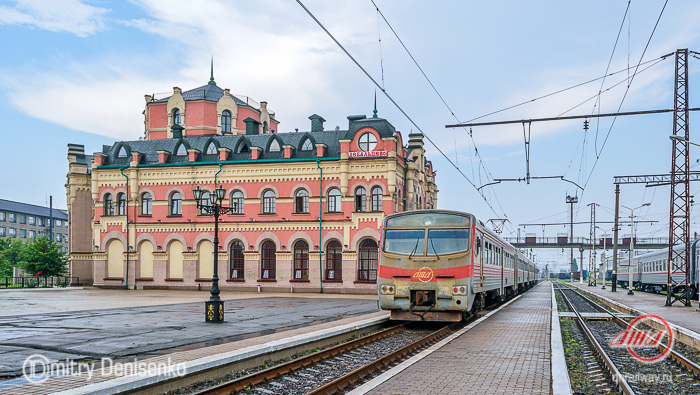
pixel 143 330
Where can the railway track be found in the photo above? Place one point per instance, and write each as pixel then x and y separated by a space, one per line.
pixel 616 368
pixel 329 371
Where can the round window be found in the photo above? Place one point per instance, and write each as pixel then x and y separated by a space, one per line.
pixel 367 142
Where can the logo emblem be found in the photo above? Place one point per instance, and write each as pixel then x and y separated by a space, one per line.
pixel 632 338
pixel 424 275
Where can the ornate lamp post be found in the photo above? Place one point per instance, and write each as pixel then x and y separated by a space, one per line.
pixel 214 307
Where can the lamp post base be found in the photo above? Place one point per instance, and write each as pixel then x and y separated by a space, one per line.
pixel 214 311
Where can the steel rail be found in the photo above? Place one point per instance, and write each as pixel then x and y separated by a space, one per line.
pixel 616 376
pixel 383 362
pixel 688 364
pixel 272 372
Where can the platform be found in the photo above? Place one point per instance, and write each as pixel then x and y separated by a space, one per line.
pixel 175 333
pixel 508 353
pixel 685 316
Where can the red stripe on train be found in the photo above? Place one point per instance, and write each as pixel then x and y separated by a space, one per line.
pixel 425 275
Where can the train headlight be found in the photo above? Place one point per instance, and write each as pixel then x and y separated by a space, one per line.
pixel 387 289
pixel 459 290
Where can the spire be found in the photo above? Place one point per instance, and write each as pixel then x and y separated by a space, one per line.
pixel 375 105
pixel 211 79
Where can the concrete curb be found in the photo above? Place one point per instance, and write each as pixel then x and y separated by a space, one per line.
pixel 368 386
pixel 561 383
pixel 135 382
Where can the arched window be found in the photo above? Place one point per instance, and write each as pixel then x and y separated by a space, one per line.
pixel 237 259
pixel 206 201
pixel 242 148
pixel 226 121
pixel 376 199
pixel 176 117
pixel 122 152
pixel 334 261
pixel 211 149
pixel 269 260
pixel 367 267
pixel 334 199
pixel 181 150
pixel 266 129
pixel 274 146
pixel 108 206
pixel 301 201
pixel 360 199
pixel 307 146
pixel 367 141
pixel 237 202
pixel 301 260
pixel 121 204
pixel 268 202
pixel 176 204
pixel 146 204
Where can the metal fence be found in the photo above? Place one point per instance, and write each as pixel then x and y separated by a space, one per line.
pixel 564 239
pixel 39 282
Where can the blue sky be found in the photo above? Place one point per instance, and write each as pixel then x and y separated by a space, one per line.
pixel 76 72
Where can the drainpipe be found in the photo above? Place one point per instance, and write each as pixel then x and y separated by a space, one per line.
pixel 405 188
pixel 217 173
pixel 128 197
pixel 320 223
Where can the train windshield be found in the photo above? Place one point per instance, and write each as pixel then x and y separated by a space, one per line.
pixel 404 241
pixel 447 241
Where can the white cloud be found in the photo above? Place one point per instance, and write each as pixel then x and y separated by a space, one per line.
pixel 71 16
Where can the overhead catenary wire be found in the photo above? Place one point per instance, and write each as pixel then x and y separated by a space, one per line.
pixel 476 151
pixel 396 104
pixel 624 96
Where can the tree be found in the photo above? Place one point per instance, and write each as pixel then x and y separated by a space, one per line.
pixel 43 257
pixel 11 253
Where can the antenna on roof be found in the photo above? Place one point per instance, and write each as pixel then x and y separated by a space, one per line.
pixel 211 79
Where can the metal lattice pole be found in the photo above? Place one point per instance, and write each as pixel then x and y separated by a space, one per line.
pixel 679 222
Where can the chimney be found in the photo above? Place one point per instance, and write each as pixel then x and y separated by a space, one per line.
pixel 177 131
pixel 317 123
pixel 251 126
pixel 353 118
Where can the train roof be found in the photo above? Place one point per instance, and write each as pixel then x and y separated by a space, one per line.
pixel 662 250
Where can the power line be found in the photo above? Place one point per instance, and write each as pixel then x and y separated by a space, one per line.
pixel 394 102
pixel 476 151
pixel 563 90
pixel 625 96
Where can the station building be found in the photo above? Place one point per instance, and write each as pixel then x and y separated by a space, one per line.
pixel 307 206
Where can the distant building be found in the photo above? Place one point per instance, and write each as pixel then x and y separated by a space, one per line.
pixel 274 240
pixel 27 221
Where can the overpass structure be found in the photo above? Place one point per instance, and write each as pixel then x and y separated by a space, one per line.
pixel 649 243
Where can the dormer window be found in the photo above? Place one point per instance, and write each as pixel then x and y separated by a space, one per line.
pixel 367 142
pixel 243 148
pixel 176 117
pixel 181 151
pixel 212 150
pixel 122 152
pixel 275 146
pixel 307 146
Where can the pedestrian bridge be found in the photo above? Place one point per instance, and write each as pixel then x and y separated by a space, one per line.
pixel 584 243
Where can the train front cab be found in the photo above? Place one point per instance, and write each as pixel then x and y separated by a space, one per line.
pixel 425 266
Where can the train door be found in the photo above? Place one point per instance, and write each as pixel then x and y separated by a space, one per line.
pixel 504 256
pixel 479 264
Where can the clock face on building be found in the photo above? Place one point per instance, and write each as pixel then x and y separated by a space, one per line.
pixel 367 142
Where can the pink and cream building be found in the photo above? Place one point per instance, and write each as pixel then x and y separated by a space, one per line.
pixel 291 230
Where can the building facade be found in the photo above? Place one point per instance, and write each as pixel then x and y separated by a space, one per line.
pixel 27 221
pixel 307 206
